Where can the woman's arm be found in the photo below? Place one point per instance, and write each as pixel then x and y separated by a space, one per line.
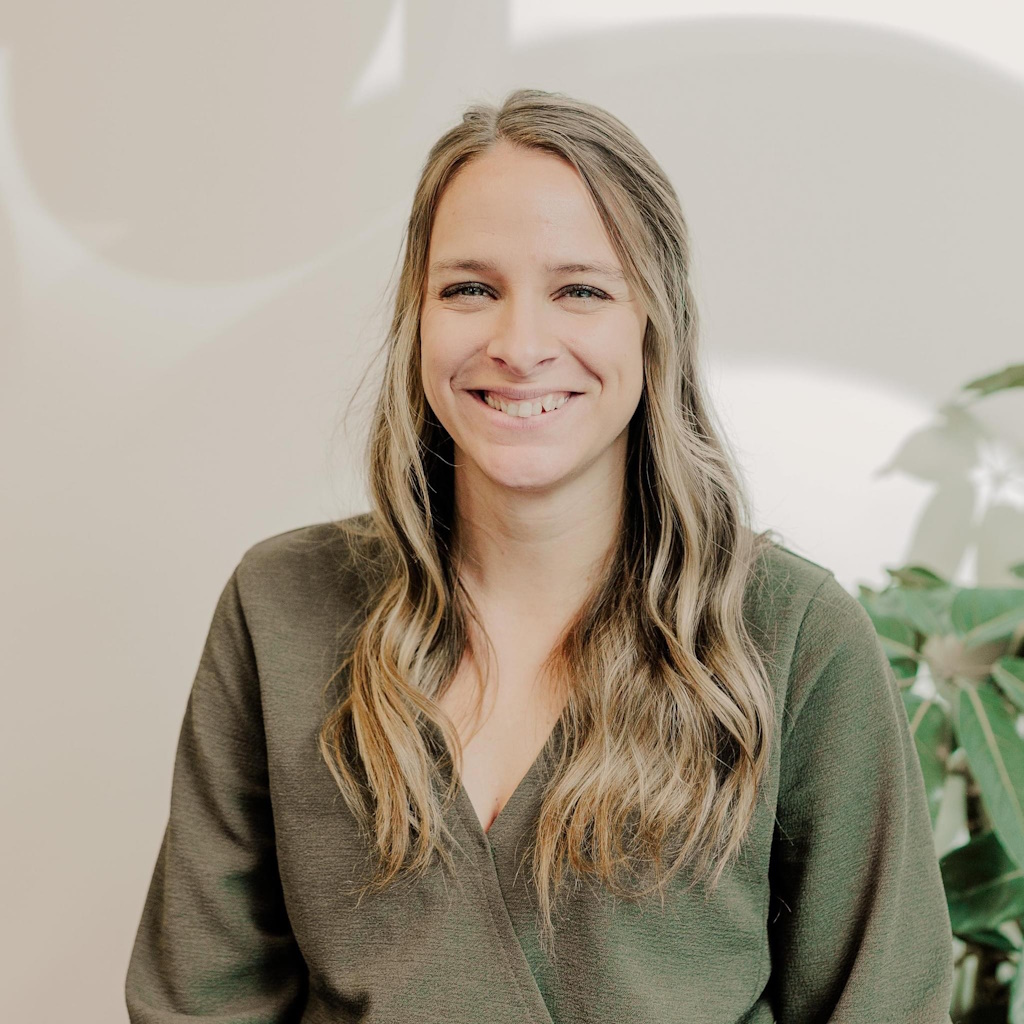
pixel 858 921
pixel 214 940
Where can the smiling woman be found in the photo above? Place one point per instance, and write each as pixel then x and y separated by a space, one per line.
pixel 557 645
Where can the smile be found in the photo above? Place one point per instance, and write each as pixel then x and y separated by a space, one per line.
pixel 516 422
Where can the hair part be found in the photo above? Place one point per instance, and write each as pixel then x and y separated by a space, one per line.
pixel 666 732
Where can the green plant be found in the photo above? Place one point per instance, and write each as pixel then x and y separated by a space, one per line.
pixel 957 653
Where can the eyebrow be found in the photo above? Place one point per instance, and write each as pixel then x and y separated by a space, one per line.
pixel 487 267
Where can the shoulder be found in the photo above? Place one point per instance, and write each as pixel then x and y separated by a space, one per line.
pixel 802 616
pixel 303 569
pixel 780 588
pixel 824 613
pixel 782 570
pixel 826 646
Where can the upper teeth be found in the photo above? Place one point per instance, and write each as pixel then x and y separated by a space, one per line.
pixel 527 408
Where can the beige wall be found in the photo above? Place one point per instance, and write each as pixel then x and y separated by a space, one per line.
pixel 201 207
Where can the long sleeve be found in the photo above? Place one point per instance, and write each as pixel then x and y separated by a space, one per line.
pixel 214 941
pixel 858 921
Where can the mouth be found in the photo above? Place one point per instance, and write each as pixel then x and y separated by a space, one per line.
pixel 524 422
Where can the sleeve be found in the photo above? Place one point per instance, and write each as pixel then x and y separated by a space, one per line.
pixel 859 928
pixel 214 941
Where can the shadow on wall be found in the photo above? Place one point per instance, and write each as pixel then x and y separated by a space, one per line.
pixel 971 457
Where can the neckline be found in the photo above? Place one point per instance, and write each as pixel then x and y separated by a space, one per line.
pixel 512 813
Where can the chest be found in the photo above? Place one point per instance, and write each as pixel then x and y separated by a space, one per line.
pixel 500 744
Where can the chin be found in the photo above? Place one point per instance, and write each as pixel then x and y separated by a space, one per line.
pixel 529 480
pixel 511 468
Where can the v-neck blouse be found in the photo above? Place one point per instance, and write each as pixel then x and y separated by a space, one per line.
pixel 511 812
pixel 835 912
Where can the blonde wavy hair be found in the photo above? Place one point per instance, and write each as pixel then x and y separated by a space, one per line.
pixel 666 733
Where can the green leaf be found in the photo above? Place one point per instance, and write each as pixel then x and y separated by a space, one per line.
pixel 1010 377
pixel 987 613
pixel 990 937
pixel 898 635
pixel 933 737
pixel 1018 569
pixel 984 887
pixel 1008 673
pixel 995 754
pixel 917 576
pixel 924 610
pixel 904 669
pixel 930 611
pixel 899 639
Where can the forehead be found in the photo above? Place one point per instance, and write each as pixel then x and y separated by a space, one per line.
pixel 519 200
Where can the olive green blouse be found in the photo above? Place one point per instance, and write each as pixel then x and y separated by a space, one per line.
pixel 836 912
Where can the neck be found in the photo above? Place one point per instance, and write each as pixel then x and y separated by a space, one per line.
pixel 534 555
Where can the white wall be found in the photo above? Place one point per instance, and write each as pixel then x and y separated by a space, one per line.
pixel 200 210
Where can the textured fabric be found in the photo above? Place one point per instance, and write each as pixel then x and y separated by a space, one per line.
pixel 835 913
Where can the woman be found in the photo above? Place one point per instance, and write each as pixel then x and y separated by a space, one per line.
pixel 595 751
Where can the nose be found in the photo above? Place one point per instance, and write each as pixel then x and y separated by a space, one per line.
pixel 522 338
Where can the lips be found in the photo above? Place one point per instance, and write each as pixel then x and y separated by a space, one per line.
pixel 510 395
pixel 506 421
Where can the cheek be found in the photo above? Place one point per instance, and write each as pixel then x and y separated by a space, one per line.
pixel 428 365
pixel 442 347
pixel 617 358
pixel 442 367
pixel 432 353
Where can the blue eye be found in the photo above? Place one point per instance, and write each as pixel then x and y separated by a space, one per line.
pixel 585 288
pixel 458 289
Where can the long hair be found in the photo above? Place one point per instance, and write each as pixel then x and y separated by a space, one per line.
pixel 666 733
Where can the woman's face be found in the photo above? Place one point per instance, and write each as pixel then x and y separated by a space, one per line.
pixel 523 314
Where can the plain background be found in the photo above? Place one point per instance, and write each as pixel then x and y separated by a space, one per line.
pixel 201 207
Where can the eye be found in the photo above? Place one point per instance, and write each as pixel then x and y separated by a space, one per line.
pixel 460 289
pixel 595 292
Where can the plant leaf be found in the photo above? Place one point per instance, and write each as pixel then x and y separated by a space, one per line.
pixel 1008 674
pixel 930 611
pixel 984 887
pixel 899 640
pixel 914 576
pixel 992 937
pixel 995 754
pixel 1010 377
pixel 933 736
pixel 987 613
